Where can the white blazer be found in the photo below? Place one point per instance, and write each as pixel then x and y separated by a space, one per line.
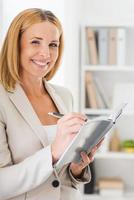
pixel 26 170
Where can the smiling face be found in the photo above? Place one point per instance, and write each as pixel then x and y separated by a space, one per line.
pixel 39 47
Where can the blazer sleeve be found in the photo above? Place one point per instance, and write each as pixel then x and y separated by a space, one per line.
pixel 19 178
pixel 85 178
pixel 26 175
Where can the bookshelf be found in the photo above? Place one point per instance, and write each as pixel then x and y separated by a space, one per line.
pixel 96 197
pixel 113 80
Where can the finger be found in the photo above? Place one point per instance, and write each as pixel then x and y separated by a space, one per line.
pixel 91 159
pixel 73 115
pixel 85 160
pixel 93 151
pixel 100 143
pixel 91 156
pixel 74 121
pixel 71 126
pixel 74 129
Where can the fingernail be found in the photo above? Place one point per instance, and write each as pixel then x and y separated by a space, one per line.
pixel 92 159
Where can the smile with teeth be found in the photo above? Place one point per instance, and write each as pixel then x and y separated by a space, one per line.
pixel 40 63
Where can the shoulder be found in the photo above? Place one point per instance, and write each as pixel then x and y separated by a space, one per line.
pixel 1 88
pixel 3 101
pixel 3 93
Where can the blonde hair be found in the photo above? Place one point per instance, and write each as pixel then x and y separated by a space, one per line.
pixel 10 53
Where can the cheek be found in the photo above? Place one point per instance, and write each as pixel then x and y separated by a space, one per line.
pixel 25 59
pixel 27 51
pixel 54 55
pixel 23 54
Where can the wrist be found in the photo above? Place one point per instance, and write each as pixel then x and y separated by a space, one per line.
pixel 54 156
pixel 78 174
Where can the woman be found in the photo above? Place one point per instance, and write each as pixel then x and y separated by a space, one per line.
pixel 31 141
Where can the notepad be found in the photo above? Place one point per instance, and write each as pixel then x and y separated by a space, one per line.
pixel 88 136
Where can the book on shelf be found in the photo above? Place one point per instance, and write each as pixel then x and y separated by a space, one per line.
pixel 102 93
pixel 117 46
pixel 106 46
pixel 112 48
pixel 100 102
pixel 90 91
pixel 103 46
pixel 121 46
pixel 96 97
pixel 110 186
pixel 92 45
pixel 110 183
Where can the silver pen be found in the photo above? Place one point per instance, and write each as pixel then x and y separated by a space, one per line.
pixel 55 114
pixel 59 115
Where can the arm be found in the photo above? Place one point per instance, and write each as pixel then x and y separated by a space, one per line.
pixel 22 177
pixel 28 174
pixel 66 175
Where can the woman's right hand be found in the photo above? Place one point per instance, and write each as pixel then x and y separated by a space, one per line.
pixel 67 127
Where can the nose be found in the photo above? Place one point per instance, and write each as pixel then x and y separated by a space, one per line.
pixel 45 52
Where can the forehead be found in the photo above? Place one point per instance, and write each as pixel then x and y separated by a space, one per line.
pixel 43 29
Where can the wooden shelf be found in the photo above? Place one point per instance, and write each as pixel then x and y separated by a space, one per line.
pixel 89 111
pixel 114 155
pixel 116 68
pixel 102 96
pixel 98 197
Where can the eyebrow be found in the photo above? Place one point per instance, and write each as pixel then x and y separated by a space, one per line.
pixel 39 38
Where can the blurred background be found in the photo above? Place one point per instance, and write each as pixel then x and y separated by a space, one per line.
pixel 98 68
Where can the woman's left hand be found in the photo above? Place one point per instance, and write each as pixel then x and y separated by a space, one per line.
pixel 77 168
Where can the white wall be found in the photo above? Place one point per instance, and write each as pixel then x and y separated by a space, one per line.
pixel 12 8
pixel 114 11
pixel 72 25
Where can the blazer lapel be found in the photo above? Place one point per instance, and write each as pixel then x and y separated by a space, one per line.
pixel 20 100
pixel 56 98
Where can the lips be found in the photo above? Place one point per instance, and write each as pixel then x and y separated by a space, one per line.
pixel 40 63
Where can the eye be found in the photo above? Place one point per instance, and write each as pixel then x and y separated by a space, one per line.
pixel 54 45
pixel 35 42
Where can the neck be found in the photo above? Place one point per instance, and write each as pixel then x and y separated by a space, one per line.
pixel 33 87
